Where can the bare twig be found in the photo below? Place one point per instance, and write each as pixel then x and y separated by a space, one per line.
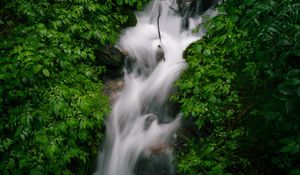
pixel 159 12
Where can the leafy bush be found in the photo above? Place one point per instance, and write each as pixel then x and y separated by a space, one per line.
pixel 206 93
pixel 242 90
pixel 51 105
pixel 272 71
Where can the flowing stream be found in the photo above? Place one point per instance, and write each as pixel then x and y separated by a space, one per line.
pixel 140 129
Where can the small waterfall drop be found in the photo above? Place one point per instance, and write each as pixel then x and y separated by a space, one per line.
pixel 140 128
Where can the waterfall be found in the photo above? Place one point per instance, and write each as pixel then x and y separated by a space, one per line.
pixel 140 128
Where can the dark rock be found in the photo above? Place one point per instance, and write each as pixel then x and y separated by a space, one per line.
pixel 148 121
pixel 113 72
pixel 158 162
pixel 192 8
pixel 160 54
pixel 110 56
pixel 184 6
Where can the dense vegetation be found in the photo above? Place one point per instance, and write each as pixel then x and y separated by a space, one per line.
pixel 51 105
pixel 242 90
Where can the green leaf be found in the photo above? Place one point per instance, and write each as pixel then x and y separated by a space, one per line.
pixel 234 18
pixel 283 89
pixel 292 82
pixel 288 147
pixel 295 150
pixel 220 25
pixel 285 141
pixel 51 149
pixel 294 73
pixel 3 76
pixel 212 99
pixel 7 143
pixel 207 52
pixel 197 47
pixel 23 163
pixel 37 68
pixel 46 72
pixel 196 90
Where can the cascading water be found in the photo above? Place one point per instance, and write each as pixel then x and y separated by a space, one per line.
pixel 140 128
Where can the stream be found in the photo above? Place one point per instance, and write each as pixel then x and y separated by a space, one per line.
pixel 141 129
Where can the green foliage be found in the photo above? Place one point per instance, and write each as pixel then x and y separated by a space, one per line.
pixel 133 3
pixel 206 93
pixel 241 89
pixel 51 105
pixel 274 79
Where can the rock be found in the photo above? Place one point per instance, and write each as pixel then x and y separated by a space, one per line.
pixel 120 83
pixel 112 88
pixel 160 54
pixel 109 56
pixel 148 121
pixel 159 148
pixel 184 5
pixel 158 162
pixel 192 8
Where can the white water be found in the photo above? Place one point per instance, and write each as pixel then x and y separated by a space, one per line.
pixel 139 125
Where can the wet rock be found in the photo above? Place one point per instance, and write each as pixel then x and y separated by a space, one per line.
pixel 160 54
pixel 112 88
pixel 158 149
pixel 109 56
pixel 148 121
pixel 192 8
pixel 158 162
pixel 184 5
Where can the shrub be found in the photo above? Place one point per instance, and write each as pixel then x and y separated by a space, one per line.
pixel 241 89
pixel 51 102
